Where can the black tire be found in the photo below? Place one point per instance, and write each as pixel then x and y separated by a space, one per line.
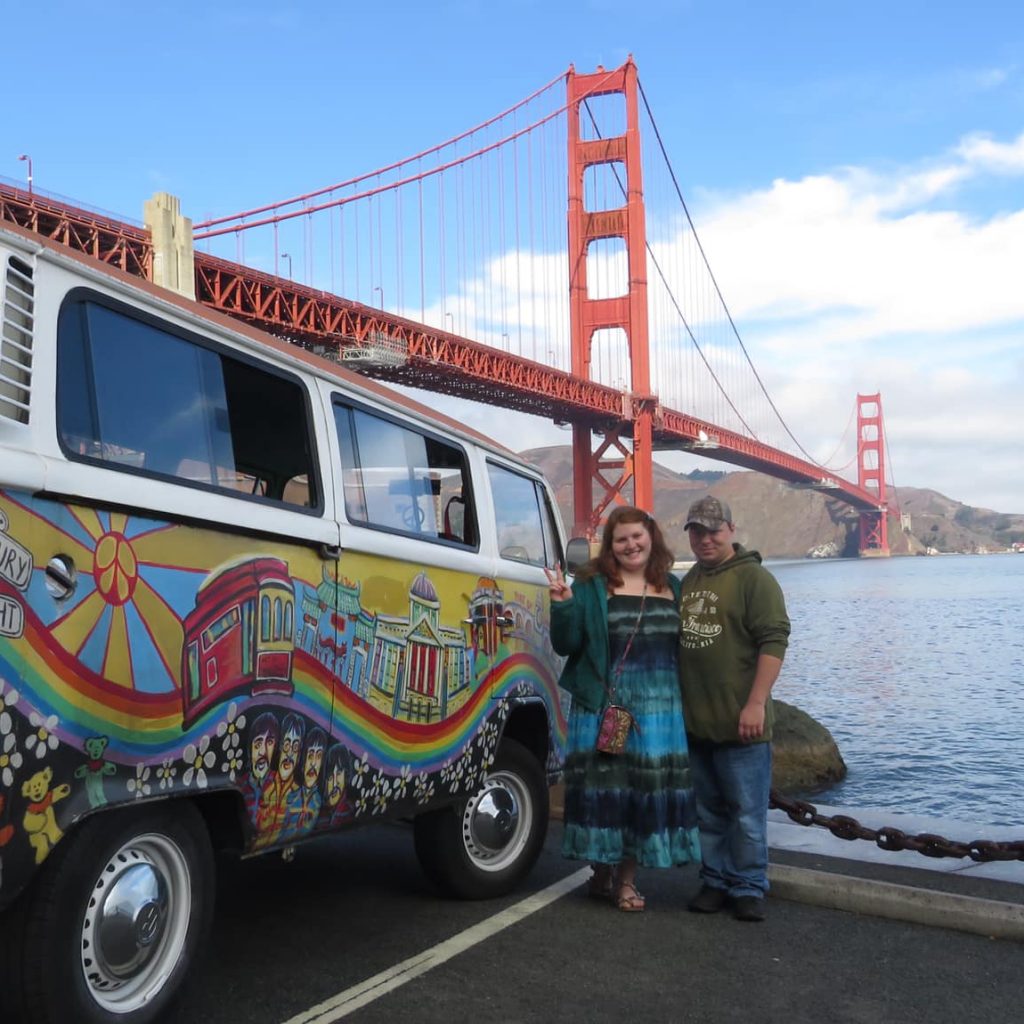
pixel 116 918
pixel 485 845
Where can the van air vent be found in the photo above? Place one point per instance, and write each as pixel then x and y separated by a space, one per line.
pixel 16 341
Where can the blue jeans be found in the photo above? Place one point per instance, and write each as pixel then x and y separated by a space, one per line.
pixel 731 783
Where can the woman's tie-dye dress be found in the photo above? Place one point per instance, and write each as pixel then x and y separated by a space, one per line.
pixel 638 804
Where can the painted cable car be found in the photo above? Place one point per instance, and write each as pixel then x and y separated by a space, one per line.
pixel 240 637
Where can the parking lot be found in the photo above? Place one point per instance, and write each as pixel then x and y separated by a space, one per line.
pixel 350 929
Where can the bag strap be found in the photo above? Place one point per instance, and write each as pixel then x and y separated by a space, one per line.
pixel 610 691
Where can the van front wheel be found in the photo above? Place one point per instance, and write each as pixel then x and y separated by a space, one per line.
pixel 117 918
pixel 485 845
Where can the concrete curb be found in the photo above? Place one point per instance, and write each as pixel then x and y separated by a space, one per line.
pixel 992 918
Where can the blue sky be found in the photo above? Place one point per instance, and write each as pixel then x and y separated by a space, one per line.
pixel 855 170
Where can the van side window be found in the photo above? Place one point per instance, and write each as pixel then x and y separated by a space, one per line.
pixel 399 478
pixel 522 515
pixel 131 394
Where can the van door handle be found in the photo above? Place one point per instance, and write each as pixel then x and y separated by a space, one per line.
pixel 60 577
pixel 330 552
pixel 505 621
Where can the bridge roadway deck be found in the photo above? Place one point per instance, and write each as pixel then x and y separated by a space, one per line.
pixel 290 937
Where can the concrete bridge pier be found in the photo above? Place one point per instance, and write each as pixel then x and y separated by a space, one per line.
pixel 173 252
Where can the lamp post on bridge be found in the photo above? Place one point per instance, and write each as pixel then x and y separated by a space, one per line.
pixel 451 321
pixel 378 288
pixel 25 156
pixel 287 256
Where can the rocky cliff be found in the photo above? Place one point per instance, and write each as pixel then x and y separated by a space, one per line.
pixel 782 521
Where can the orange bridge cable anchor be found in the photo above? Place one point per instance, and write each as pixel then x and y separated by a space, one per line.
pixel 893 839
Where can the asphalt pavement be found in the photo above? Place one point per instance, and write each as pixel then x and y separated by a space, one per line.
pixel 879 960
pixel 352 931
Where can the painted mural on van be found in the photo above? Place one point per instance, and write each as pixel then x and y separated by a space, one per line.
pixel 158 658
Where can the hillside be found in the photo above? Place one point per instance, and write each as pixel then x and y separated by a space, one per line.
pixel 782 521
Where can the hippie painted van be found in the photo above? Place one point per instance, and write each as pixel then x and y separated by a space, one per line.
pixel 246 599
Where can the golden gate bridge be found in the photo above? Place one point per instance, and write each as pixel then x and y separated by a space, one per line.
pixel 544 261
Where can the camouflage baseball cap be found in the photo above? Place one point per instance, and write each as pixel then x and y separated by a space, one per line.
pixel 712 513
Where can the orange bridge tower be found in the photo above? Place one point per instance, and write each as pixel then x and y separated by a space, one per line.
pixel 874 524
pixel 614 467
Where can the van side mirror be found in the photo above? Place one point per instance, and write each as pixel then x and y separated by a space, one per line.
pixel 577 553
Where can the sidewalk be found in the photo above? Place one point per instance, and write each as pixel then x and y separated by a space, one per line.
pixel 811 865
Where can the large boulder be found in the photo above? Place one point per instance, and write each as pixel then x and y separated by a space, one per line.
pixel 805 758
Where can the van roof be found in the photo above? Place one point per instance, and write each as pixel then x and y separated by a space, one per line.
pixel 257 338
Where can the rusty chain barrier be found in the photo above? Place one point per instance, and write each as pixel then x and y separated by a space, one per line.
pixel 845 827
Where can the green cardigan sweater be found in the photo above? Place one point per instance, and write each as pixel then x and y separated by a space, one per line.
pixel 579 630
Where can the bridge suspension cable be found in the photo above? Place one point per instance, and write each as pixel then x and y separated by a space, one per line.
pixel 714 281
pixel 827 463
pixel 327 189
pixel 891 474
pixel 672 297
pixel 494 232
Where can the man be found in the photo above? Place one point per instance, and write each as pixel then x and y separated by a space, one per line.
pixel 263 738
pixel 278 788
pixel 733 638
pixel 303 804
pixel 336 808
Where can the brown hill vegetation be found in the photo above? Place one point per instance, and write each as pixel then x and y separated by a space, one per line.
pixel 782 521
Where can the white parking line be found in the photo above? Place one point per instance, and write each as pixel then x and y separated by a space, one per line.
pixel 387 981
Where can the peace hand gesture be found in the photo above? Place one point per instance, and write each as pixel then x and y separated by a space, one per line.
pixel 557 587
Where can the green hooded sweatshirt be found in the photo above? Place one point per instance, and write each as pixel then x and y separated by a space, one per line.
pixel 730 614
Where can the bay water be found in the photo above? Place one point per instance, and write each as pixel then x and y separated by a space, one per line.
pixel 916 667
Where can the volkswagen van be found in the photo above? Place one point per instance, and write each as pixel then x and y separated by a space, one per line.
pixel 247 599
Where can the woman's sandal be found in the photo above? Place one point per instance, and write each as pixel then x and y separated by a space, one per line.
pixel 629 898
pixel 601 884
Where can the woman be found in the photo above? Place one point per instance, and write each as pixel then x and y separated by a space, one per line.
pixel 619 626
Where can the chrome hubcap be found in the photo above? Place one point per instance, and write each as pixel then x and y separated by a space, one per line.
pixel 497 820
pixel 130 919
pixel 136 923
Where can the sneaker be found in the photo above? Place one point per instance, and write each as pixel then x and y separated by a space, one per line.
pixel 708 901
pixel 748 908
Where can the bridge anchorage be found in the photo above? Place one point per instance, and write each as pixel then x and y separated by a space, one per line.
pixel 466 242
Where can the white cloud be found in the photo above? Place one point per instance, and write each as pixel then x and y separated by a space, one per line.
pixel 806 248
pixel 987 79
pixel 982 152
pixel 861 281
pixel 857 281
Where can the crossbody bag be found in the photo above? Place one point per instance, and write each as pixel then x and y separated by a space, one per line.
pixel 617 719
